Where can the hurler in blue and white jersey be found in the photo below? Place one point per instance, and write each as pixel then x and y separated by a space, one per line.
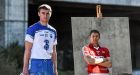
pixel 40 56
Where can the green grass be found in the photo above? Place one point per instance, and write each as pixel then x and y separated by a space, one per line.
pixel 61 72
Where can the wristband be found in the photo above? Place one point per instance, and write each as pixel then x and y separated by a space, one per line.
pixel 98 60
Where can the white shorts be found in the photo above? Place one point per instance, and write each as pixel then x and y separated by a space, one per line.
pixel 98 74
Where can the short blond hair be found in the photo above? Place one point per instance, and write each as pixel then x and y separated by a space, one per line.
pixel 45 6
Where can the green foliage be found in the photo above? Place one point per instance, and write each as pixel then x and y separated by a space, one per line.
pixel 11 59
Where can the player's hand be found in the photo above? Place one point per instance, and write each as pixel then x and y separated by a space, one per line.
pixel 104 60
pixel 90 60
pixel 56 72
pixel 25 71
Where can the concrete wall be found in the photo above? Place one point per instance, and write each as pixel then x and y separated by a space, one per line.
pixel 13 21
pixel 114 35
pixel 108 2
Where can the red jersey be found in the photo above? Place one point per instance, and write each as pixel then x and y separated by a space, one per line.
pixel 102 52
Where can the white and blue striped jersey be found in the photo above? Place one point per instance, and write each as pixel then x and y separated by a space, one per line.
pixel 43 39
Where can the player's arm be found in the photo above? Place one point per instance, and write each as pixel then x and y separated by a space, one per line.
pixel 88 59
pixel 27 54
pixel 86 55
pixel 92 60
pixel 107 63
pixel 54 58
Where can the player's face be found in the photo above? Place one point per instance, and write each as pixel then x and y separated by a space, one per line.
pixel 94 38
pixel 44 15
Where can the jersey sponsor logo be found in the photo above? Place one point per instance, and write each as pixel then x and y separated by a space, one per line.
pixel 46 35
pixel 41 34
pixel 97 57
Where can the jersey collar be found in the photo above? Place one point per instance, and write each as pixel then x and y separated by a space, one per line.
pixel 94 48
pixel 43 25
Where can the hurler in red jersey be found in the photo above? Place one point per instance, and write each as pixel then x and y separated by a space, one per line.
pixel 96 57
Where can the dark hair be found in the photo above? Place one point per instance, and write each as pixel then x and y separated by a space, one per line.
pixel 94 31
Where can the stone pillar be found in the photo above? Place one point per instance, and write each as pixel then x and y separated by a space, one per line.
pixel 2 13
pixel 114 35
pixel 13 21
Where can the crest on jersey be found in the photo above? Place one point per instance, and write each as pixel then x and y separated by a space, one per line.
pixel 103 51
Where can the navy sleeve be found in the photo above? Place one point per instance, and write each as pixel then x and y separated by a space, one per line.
pixel 30 31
